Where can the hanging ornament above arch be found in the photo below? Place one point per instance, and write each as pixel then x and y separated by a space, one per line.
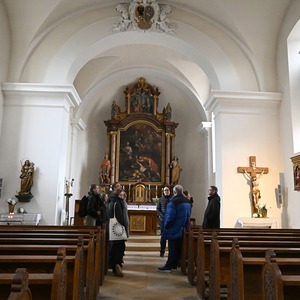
pixel 144 15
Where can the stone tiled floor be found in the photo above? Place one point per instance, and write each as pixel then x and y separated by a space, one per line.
pixel 142 281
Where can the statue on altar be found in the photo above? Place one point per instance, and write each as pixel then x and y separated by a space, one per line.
pixel 104 172
pixel 175 170
pixel 115 110
pixel 167 111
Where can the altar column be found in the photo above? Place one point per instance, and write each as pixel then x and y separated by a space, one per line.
pixel 168 157
pixel 113 138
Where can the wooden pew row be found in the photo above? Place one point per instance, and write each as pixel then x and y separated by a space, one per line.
pixel 229 233
pixel 14 285
pixel 277 286
pixel 89 261
pixel 42 266
pixel 219 268
pixel 246 273
pixel 94 278
pixel 60 232
pixel 204 259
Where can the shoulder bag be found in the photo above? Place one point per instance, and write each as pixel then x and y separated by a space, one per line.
pixel 117 231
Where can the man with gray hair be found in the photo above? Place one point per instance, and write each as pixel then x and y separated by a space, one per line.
pixel 177 218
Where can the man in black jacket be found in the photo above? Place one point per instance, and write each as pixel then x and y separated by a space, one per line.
pixel 212 212
pixel 96 209
pixel 161 210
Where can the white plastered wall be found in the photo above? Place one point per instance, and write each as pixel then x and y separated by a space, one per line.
pixel 243 129
pixel 36 127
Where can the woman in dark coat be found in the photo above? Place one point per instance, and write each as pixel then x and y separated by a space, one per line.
pixel 118 206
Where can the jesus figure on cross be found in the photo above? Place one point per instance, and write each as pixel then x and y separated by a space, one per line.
pixel 253 173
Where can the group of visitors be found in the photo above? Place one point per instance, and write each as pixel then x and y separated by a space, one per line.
pixel 174 215
pixel 100 208
pixel 174 210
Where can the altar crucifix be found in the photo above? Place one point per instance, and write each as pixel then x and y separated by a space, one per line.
pixel 253 173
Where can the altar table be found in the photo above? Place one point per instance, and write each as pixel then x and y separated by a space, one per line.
pixel 244 222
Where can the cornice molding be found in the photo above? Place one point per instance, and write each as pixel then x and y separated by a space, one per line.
pixel 40 95
pixel 204 127
pixel 259 103
pixel 78 124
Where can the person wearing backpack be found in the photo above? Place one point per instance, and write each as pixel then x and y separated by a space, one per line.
pixel 96 209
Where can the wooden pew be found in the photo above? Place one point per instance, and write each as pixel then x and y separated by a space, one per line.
pixel 41 259
pixel 56 282
pixel 275 285
pixel 219 269
pixel 59 236
pixel 19 286
pixel 245 273
pixel 256 241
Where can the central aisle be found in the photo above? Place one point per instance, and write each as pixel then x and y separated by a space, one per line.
pixel 142 280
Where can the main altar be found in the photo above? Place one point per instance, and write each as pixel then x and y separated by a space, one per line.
pixel 139 153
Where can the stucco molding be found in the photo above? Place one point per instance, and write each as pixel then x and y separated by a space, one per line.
pixel 40 95
pixel 258 103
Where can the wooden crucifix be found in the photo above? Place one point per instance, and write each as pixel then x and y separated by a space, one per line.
pixel 253 173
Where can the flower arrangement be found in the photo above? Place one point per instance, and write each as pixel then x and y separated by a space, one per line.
pixel 261 211
pixel 11 201
pixel 21 210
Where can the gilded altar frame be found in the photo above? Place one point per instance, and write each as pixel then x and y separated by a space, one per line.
pixel 141 140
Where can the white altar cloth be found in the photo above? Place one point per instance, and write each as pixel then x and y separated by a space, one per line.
pixel 243 222
pixel 141 207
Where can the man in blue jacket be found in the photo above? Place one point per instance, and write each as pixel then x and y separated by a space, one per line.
pixel 177 218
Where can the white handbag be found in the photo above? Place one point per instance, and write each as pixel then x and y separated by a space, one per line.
pixel 117 232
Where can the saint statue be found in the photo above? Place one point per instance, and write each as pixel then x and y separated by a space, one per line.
pixel 115 110
pixel 175 171
pixel 167 111
pixel 104 172
pixel 26 176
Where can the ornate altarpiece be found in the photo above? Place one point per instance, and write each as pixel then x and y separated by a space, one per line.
pixel 141 143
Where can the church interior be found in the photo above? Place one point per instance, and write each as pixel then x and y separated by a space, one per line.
pixel 229 72
pixel 149 93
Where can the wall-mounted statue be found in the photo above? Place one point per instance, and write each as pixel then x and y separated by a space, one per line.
pixel 27 172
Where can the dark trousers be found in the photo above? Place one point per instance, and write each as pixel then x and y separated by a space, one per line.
pixel 163 241
pixel 174 253
pixel 116 253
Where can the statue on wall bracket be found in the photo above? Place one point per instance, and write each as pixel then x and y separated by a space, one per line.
pixel 27 172
pixel 144 15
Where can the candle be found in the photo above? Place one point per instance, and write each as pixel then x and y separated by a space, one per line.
pixel 149 187
pixel 156 187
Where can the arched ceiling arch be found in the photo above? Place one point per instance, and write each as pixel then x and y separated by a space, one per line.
pixel 208 46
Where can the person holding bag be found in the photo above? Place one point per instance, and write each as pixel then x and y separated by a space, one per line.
pixel 118 210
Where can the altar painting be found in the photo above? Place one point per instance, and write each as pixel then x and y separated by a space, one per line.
pixel 139 158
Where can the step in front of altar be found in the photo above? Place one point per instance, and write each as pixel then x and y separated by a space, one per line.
pixel 143 243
